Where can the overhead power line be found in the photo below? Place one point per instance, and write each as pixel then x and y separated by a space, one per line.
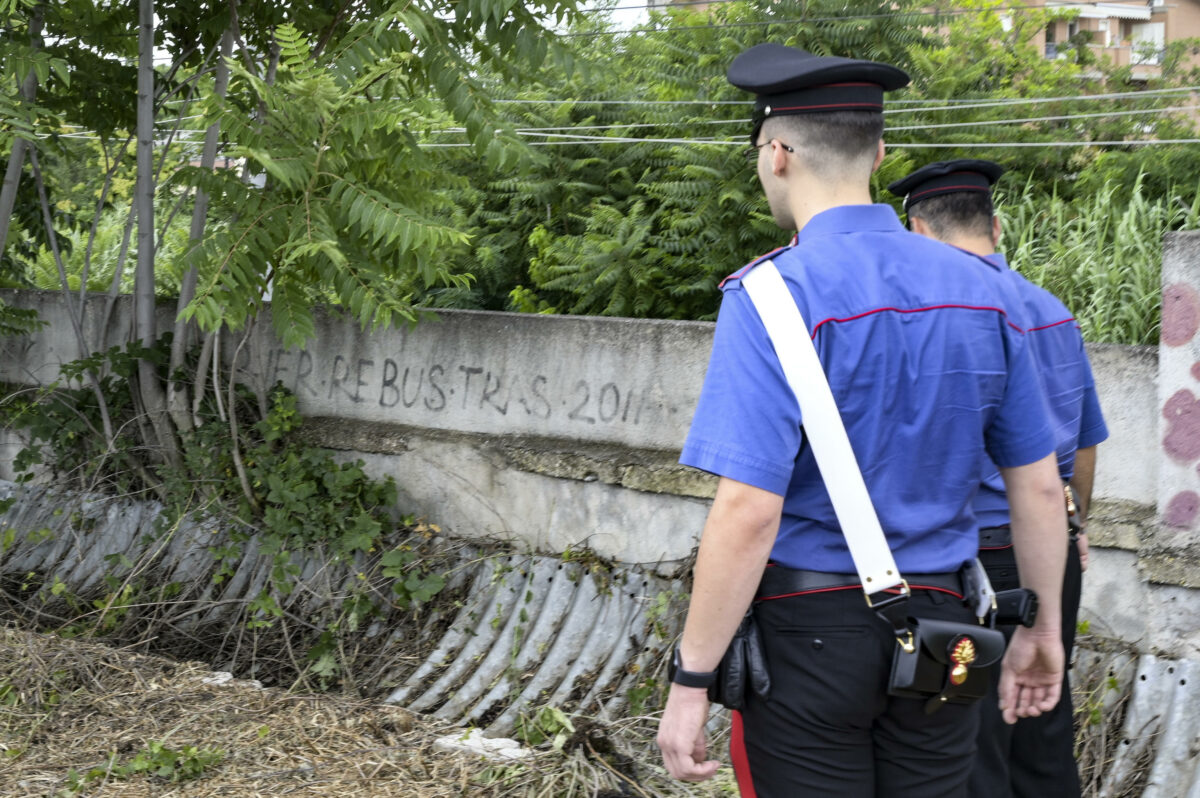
pixel 954 12
pixel 576 141
pixel 672 4
pixel 624 102
pixel 692 122
pixel 1037 100
pixel 949 103
pixel 684 3
pixel 183 134
pixel 1005 144
pixel 1058 118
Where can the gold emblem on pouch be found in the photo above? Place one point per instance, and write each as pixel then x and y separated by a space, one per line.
pixel 962 654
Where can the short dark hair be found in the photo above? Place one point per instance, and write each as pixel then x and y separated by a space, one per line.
pixel 828 142
pixel 956 214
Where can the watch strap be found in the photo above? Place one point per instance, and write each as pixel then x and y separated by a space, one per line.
pixel 686 678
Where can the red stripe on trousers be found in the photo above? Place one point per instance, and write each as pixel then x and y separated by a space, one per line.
pixel 741 763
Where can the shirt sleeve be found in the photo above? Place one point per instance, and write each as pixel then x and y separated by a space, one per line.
pixel 1020 432
pixel 1092 429
pixel 747 421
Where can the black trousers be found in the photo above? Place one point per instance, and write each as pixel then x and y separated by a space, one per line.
pixel 829 727
pixel 1035 757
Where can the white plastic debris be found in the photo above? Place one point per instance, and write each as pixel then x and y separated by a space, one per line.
pixel 221 678
pixel 472 741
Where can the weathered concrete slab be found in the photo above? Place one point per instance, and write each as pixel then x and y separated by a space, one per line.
pixel 1115 598
pixel 1126 379
pixel 465 487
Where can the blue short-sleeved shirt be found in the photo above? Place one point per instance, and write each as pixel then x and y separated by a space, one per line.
pixel 1070 390
pixel 925 353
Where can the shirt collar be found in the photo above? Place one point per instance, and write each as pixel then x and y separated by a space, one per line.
pixel 851 219
pixel 997 259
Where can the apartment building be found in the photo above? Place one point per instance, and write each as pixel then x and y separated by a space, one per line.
pixel 1127 33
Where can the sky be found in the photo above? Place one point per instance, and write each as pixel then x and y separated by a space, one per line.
pixel 629 13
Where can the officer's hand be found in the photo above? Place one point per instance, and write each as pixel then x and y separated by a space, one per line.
pixel 1082 543
pixel 1032 673
pixel 681 734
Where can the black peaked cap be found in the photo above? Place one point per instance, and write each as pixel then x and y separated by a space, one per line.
pixel 788 80
pixel 946 177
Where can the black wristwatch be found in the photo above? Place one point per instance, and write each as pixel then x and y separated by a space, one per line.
pixel 679 676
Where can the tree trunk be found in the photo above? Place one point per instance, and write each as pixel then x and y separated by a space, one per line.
pixel 145 326
pixel 177 393
pixel 16 160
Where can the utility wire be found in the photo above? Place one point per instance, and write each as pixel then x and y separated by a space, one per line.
pixel 902 145
pixel 670 4
pixel 1036 100
pixel 184 133
pixel 689 123
pixel 632 125
pixel 949 103
pixel 1066 6
pixel 568 140
pixel 1061 118
pixel 684 3
pixel 1002 144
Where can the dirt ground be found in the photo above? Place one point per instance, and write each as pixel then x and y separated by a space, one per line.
pixel 81 718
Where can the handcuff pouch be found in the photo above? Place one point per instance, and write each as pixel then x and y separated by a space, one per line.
pixel 948 662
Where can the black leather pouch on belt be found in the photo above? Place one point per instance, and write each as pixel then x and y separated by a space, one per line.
pixel 743 668
pixel 948 662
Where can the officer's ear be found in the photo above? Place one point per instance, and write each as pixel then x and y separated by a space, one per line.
pixel 996 231
pixel 919 226
pixel 879 153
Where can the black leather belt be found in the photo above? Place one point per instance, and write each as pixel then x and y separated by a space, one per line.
pixel 995 537
pixel 780 582
pixel 992 538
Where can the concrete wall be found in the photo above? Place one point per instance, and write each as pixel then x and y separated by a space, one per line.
pixel 562 432
pixel 557 431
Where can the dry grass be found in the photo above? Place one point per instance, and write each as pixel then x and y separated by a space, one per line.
pixel 77 716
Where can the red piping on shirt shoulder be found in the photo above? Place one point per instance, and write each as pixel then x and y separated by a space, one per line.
pixel 742 271
pixel 1001 311
pixel 1048 326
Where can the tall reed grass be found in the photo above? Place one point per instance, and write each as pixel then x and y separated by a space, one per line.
pixel 1102 255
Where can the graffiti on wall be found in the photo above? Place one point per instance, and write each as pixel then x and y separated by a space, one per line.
pixel 435 387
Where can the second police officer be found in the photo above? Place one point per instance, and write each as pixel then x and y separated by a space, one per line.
pixel 951 201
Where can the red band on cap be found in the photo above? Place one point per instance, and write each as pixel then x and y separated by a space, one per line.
pixel 825 105
pixel 947 190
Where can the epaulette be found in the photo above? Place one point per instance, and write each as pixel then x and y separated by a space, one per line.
pixel 732 280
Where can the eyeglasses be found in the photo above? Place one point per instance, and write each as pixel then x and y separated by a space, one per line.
pixel 751 152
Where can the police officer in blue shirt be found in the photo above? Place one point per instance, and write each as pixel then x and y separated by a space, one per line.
pixel 927 359
pixel 951 201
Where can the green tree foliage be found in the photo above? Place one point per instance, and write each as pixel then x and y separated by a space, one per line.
pixel 350 210
pixel 626 210
pixel 644 229
pixel 107 250
pixel 330 199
